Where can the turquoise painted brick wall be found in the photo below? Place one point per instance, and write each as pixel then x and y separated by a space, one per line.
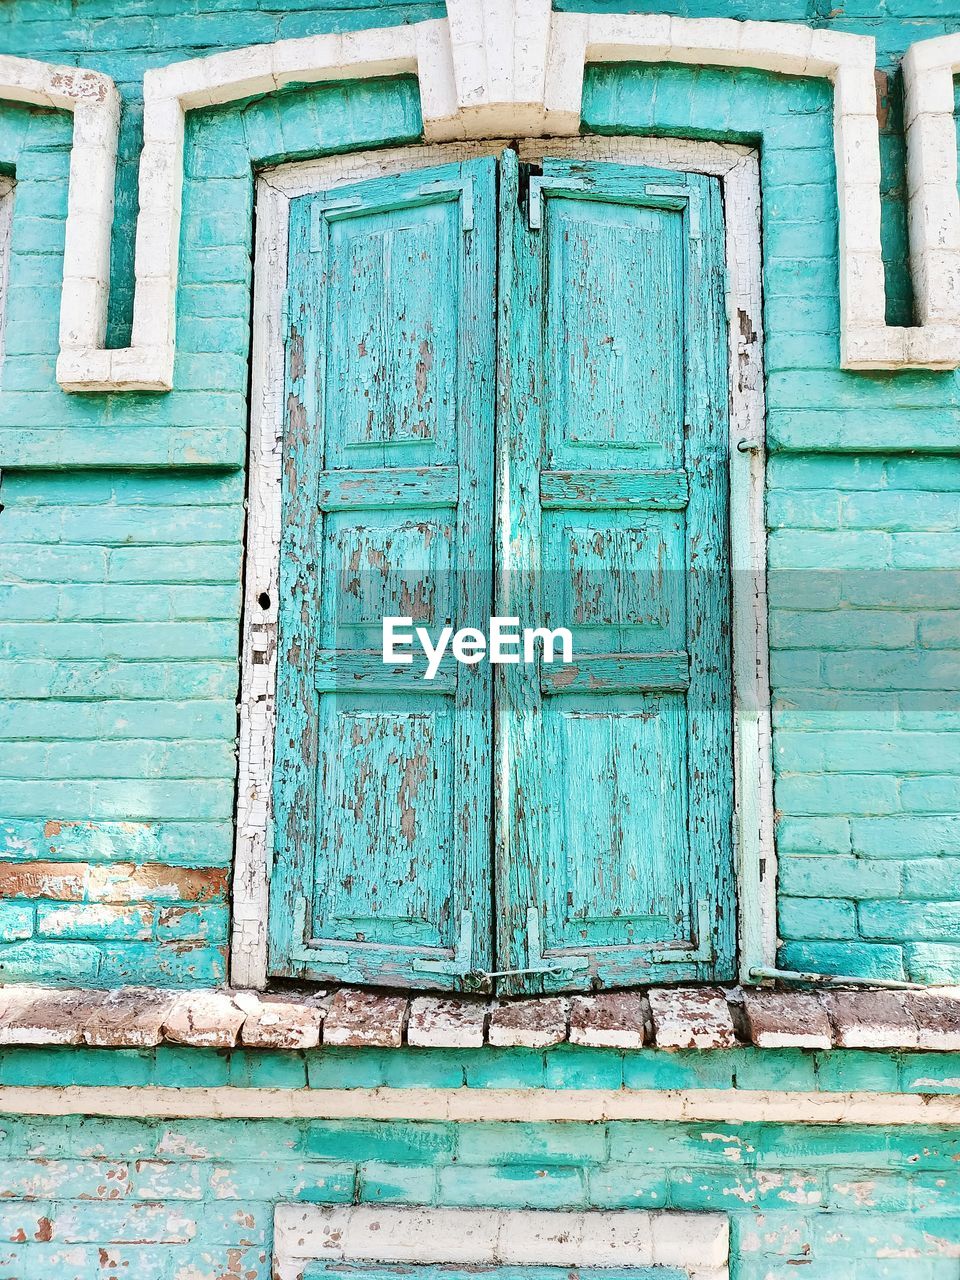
pixel 181 1200
pixel 121 546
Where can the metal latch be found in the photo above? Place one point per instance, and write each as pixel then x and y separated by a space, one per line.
pixel 481 979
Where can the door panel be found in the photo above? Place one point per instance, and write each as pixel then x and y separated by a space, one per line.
pixel 614 857
pixel 614 323
pixel 382 779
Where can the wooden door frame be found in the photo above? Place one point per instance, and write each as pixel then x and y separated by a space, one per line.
pixel 737 167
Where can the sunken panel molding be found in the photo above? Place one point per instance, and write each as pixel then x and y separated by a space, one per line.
pixel 495 68
pixel 309 1239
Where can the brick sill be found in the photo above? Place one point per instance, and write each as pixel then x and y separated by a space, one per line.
pixel 661 1018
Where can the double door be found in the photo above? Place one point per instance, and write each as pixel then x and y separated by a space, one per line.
pixel 506 395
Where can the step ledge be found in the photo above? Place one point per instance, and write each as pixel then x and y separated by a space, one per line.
pixel 666 1018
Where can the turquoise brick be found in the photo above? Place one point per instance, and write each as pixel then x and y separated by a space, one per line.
pixel 931 878
pixel 930 1073
pixel 794 1070
pixel 931 794
pixel 838 876
pixel 860 959
pixel 176 1066
pixel 396 1143
pixel 252 1069
pixel 566 1144
pixel 855 1190
pixel 61 964
pixel 850 1070
pixel 92 921
pixel 842 629
pixel 912 837
pixel 803 549
pixel 77 1066
pixel 16 921
pixel 658 1069
pixel 382 1183
pixel 813 835
pixel 437 1069
pixel 327 1068
pixel 712 1189
pixel 678 1145
pixel 935 963
pixel 194 844
pixel 507 1069
pixel 513 1186
pixel 571 1067
pixel 857 793
pixel 905 921
pixel 628 1186
pixel 816 918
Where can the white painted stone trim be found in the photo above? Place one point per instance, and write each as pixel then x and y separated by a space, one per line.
pixel 513 67
pixel 6 222
pixel 738 169
pixel 95 104
pixel 482 1106
pixel 696 1243
pixel 934 208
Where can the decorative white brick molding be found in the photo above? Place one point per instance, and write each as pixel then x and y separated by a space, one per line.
pixel 513 67
pixel 696 1244
pixel 95 104
pixel 934 209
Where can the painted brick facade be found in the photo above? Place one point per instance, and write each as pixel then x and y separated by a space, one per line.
pixel 183 1199
pixel 121 554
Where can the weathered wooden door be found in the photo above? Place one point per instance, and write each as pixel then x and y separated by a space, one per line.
pixel 383 779
pixel 599 503
pixel 614 861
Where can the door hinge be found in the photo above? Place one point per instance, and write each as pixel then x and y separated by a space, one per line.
pixel 684 194
pixel 701 950
pixel 463 188
pixel 459 963
pixel 310 951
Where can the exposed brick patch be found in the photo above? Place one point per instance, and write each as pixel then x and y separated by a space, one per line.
pixel 692 1018
pixel 871 1020
pixel 937 1018
pixel 156 882
pixel 363 1018
pixel 778 1021
pixel 616 1020
pixel 209 1019
pixel 47 1017
pixel 530 1024
pixel 272 1025
pixel 132 1017
pixel 668 1018
pixel 61 881
pixel 446 1024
